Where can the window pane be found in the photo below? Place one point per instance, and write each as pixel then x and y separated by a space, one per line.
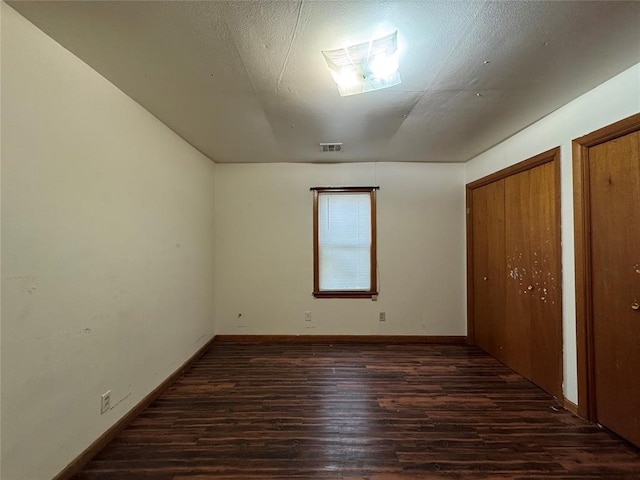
pixel 344 241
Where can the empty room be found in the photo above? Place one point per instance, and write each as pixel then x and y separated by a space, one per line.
pixel 306 239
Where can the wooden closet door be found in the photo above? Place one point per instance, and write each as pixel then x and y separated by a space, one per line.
pixel 489 268
pixel 614 180
pixel 515 309
pixel 533 317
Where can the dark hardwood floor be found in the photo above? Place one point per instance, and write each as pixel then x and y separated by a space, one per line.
pixel 355 412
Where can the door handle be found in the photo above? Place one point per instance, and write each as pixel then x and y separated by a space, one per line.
pixel 635 306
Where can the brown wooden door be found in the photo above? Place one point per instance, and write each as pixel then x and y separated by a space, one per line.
pixel 614 184
pixel 534 330
pixel 515 292
pixel 489 268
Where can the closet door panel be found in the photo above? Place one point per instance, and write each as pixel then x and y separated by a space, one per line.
pixel 518 272
pixel 488 268
pixel 532 256
pixel 546 321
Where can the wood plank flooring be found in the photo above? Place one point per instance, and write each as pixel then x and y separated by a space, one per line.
pixel 356 412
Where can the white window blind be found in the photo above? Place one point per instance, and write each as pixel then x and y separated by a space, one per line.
pixel 344 241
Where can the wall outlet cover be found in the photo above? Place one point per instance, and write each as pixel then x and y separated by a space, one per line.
pixel 105 402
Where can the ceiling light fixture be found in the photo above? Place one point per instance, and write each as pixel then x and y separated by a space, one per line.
pixel 366 66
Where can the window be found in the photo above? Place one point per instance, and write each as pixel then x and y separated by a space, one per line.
pixel 344 242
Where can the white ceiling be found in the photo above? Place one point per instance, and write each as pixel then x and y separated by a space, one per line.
pixel 245 81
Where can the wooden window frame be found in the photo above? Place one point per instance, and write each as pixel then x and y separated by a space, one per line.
pixel 372 292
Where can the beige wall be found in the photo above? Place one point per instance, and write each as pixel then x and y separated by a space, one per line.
pixel 107 252
pixel 614 100
pixel 264 250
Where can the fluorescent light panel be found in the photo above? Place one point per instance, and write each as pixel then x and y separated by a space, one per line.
pixel 365 67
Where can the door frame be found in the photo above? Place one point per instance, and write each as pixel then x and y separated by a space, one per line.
pixel 582 238
pixel 552 155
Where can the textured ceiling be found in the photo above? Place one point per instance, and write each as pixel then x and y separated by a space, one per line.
pixel 246 82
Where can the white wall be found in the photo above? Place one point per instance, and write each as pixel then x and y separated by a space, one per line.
pixel 264 250
pixel 107 252
pixel 614 100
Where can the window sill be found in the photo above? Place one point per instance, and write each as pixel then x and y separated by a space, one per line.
pixel 344 294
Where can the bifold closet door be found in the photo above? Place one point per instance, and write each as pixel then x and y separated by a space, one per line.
pixel 489 268
pixel 533 326
pixel 514 279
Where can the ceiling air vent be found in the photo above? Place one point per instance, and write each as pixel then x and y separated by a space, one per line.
pixel 330 147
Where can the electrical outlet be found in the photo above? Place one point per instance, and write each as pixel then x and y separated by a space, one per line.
pixel 382 316
pixel 105 402
pixel 307 316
